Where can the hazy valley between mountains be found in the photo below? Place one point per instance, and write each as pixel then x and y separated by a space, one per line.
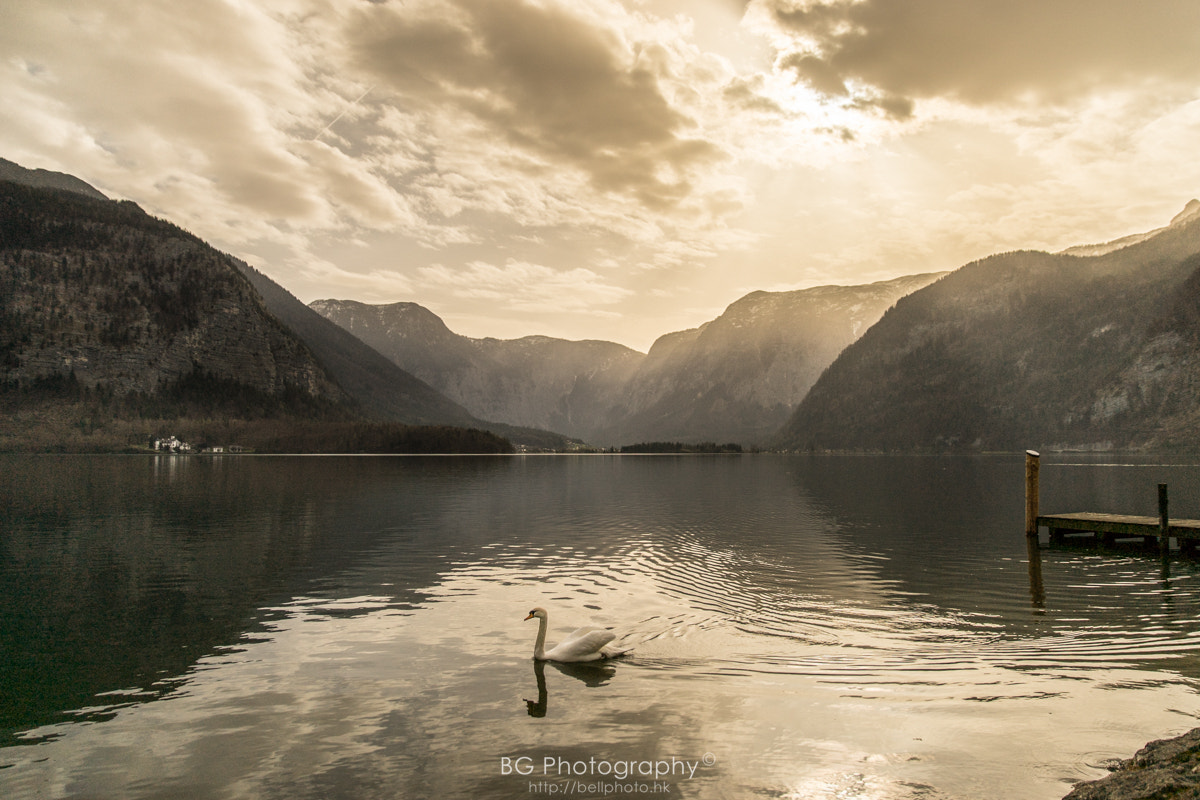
pixel 115 325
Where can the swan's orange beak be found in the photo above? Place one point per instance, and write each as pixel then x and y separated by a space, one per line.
pixel 527 618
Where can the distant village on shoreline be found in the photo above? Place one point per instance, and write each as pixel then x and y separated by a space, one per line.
pixel 171 444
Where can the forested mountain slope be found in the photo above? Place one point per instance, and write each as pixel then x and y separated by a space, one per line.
pixel 1026 349
pixel 115 324
pixel 102 295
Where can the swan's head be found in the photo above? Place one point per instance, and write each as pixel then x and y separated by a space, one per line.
pixel 540 613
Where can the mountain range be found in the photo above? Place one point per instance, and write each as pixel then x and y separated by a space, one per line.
pixel 106 300
pixel 107 313
pixel 736 378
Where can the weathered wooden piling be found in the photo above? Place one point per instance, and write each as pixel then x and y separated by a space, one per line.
pixel 1032 462
pixel 1037 586
pixel 1164 523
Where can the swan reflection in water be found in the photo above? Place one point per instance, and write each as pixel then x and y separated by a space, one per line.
pixel 592 674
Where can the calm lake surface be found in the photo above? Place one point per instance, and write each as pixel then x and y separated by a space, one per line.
pixel 352 627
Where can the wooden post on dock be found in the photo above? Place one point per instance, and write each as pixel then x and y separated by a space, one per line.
pixel 1037 590
pixel 1032 460
pixel 1164 524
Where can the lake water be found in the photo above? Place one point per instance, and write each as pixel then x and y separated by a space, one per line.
pixel 352 627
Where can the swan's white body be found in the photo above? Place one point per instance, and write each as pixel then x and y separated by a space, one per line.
pixel 585 644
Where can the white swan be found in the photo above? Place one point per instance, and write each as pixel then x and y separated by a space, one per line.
pixel 585 644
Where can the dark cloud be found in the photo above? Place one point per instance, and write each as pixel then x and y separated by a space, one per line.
pixel 747 94
pixel 817 73
pixel 987 51
pixel 563 88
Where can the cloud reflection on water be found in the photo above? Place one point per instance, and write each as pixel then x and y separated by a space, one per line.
pixel 804 620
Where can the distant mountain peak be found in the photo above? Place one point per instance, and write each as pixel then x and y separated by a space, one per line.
pixel 45 179
pixel 1190 212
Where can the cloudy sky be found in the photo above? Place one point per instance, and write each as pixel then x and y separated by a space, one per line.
pixel 612 169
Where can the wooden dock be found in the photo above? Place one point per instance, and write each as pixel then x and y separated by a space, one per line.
pixel 1108 527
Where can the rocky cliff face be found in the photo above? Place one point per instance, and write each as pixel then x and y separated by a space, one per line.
pixel 572 385
pixel 736 378
pixel 103 295
pixel 1027 349
pixel 1151 401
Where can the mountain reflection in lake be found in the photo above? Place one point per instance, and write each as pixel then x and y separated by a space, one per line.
pixel 352 627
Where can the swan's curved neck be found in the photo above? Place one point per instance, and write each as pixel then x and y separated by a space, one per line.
pixel 539 646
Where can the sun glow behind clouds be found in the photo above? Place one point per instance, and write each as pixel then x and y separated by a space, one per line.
pixel 631 159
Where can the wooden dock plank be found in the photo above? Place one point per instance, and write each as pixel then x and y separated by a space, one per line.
pixel 1120 524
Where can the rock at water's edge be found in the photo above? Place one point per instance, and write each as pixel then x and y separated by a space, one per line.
pixel 1162 770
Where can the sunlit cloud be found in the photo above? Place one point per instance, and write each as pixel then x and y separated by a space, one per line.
pixel 376 286
pixel 603 154
pixel 522 286
pixel 544 79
